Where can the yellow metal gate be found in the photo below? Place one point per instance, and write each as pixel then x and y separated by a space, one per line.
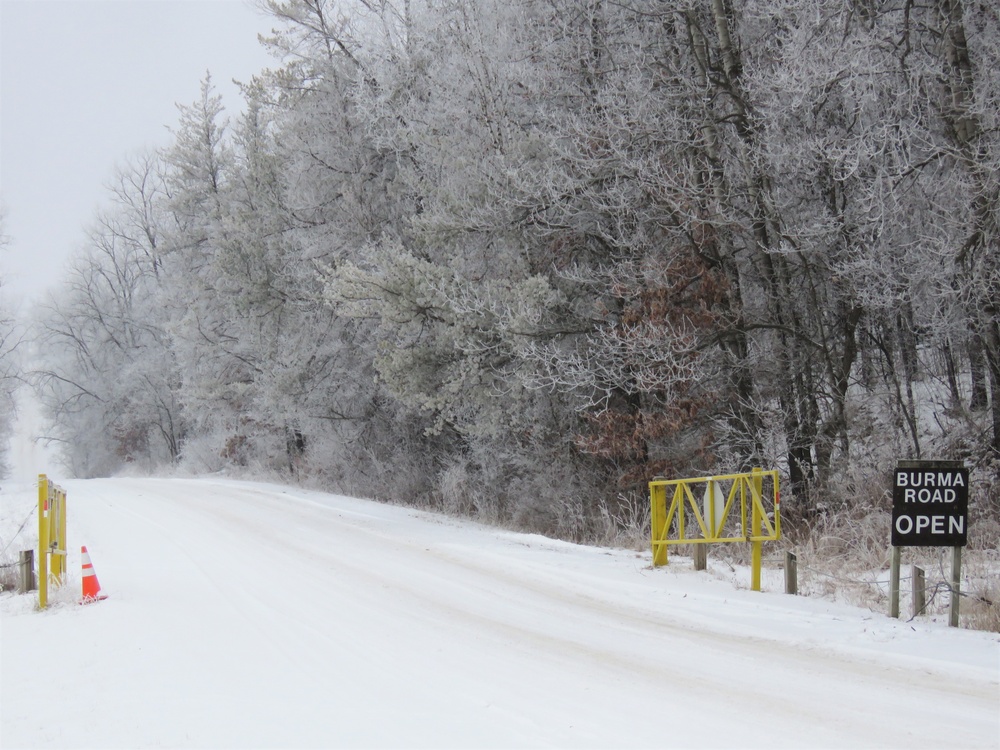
pixel 731 508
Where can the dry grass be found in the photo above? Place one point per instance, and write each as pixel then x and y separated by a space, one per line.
pixel 624 523
pixel 8 576
pixel 981 609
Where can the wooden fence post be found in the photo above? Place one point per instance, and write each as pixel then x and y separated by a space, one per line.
pixel 26 579
pixel 919 591
pixel 956 585
pixel 894 581
pixel 699 553
pixel 791 573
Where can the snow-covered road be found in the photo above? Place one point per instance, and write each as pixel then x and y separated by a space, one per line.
pixel 254 615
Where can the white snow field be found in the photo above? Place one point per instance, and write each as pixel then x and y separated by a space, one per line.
pixel 247 615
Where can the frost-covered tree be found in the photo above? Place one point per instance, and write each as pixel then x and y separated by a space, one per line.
pixel 198 175
pixel 610 153
pixel 106 376
pixel 967 53
pixel 11 344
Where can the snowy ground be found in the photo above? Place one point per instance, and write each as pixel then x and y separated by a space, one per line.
pixel 251 615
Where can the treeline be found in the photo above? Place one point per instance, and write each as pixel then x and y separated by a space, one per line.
pixel 11 340
pixel 517 257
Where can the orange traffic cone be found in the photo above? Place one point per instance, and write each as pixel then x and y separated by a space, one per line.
pixel 91 588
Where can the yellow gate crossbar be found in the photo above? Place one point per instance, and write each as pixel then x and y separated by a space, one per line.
pixel 715 520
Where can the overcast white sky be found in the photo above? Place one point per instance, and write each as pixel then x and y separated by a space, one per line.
pixel 86 83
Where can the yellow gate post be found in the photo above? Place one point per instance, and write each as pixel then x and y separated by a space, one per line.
pixel 63 550
pixel 51 537
pixel 43 541
pixel 658 515
pixel 756 545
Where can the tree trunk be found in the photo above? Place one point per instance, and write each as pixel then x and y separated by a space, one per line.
pixel 977 369
pixel 977 258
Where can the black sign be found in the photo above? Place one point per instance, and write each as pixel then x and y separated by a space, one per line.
pixel 930 502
